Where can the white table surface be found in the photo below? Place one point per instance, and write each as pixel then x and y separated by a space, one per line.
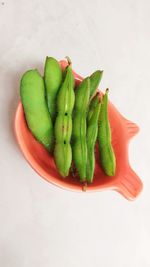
pixel 40 224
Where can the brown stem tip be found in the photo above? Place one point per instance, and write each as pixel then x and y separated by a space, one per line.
pixel 69 60
pixel 84 187
pixel 101 97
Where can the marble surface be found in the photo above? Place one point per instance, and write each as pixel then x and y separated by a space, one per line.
pixel 41 225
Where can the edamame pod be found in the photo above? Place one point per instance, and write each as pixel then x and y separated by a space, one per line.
pixel 92 106
pixel 63 124
pixel 32 93
pixel 53 79
pixel 79 147
pixel 63 128
pixel 95 79
pixel 107 156
pixel 63 158
pixel 92 128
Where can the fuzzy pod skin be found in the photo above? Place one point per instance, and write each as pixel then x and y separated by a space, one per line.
pixel 92 129
pixel 66 96
pixel 63 124
pixel 52 79
pixel 32 94
pixel 107 155
pixel 95 79
pixel 92 106
pixel 79 146
pixel 63 158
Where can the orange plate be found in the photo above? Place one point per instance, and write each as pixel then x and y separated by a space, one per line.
pixel 125 181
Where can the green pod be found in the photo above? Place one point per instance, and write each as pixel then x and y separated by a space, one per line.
pixel 95 79
pixel 108 160
pixel 63 124
pixel 63 158
pixel 79 146
pixel 92 129
pixel 66 96
pixel 92 106
pixel 52 79
pixel 32 93
pixel 107 155
pixel 79 149
pixel 63 128
pixel 76 123
pixel 82 95
pixel 79 119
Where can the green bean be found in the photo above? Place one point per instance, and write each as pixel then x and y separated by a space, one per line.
pixel 107 156
pixel 32 93
pixel 63 124
pixel 53 79
pixel 92 129
pixel 79 147
pixel 95 79
pixel 92 106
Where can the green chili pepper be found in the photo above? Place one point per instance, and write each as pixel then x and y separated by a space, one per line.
pixel 95 79
pixel 53 79
pixel 107 156
pixel 32 93
pixel 92 129
pixel 63 124
pixel 79 147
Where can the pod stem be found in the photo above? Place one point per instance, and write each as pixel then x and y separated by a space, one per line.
pixel 84 187
pixel 101 97
pixel 69 61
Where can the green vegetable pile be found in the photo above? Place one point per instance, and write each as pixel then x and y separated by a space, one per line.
pixel 68 121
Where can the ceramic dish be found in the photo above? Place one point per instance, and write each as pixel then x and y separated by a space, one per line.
pixel 125 181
